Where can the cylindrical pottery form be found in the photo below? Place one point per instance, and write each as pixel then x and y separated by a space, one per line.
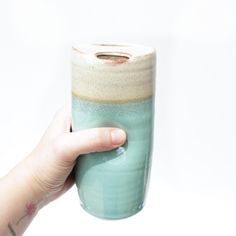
pixel 113 86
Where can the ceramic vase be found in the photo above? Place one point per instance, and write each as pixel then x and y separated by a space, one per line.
pixel 113 85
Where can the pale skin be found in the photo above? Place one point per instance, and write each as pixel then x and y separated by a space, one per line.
pixel 46 173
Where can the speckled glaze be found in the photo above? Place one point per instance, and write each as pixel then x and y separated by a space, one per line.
pixel 113 86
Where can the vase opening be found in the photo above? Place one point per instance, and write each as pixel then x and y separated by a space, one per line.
pixel 116 57
pixel 109 45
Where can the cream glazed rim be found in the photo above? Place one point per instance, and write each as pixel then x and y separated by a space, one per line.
pixel 113 73
pixel 117 53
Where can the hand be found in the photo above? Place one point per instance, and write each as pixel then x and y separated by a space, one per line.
pixel 51 163
pixel 47 172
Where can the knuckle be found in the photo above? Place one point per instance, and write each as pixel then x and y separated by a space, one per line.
pixel 102 139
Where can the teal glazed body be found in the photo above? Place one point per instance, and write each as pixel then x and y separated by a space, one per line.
pixel 113 86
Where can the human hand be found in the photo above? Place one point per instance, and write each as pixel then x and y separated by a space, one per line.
pixel 47 172
pixel 51 163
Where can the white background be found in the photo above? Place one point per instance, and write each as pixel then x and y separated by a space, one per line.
pixel 193 182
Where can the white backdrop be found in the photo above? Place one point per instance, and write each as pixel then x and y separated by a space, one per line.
pixel 193 182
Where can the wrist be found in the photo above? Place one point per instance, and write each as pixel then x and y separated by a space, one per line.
pixel 18 202
pixel 20 182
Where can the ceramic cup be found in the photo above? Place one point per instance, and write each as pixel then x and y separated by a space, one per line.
pixel 113 86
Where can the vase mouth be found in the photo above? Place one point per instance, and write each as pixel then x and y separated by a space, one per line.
pixel 114 53
pixel 111 45
pixel 114 57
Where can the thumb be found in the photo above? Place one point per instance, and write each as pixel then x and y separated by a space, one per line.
pixel 70 145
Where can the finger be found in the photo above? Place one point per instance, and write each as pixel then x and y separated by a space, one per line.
pixel 70 145
pixel 61 121
pixel 59 125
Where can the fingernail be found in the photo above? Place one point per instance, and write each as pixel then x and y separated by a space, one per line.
pixel 117 136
